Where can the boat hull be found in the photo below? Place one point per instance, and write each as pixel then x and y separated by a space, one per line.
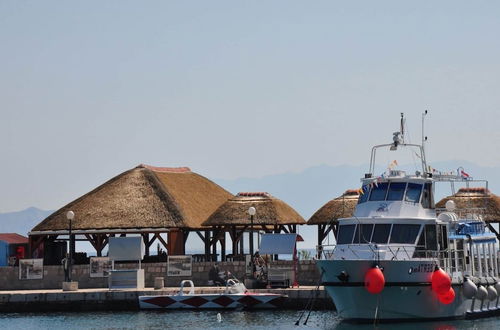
pixel 407 294
pixel 212 301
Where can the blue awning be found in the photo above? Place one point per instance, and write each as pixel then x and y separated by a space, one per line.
pixel 278 243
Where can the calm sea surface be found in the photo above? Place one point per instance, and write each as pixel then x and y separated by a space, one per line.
pixel 209 320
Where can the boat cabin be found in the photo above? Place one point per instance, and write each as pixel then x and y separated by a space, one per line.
pixel 396 195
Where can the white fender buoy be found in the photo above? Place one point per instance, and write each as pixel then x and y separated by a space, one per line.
pixel 219 318
pixel 497 286
pixel 492 293
pixel 481 293
pixel 469 289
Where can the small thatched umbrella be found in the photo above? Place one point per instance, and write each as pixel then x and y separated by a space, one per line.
pixel 272 214
pixel 326 218
pixel 479 200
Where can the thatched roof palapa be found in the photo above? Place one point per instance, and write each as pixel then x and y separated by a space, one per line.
pixel 475 198
pixel 340 207
pixel 270 211
pixel 143 197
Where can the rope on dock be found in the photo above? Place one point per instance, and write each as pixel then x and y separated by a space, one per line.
pixel 311 300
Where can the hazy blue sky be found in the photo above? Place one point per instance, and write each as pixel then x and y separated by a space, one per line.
pixel 89 89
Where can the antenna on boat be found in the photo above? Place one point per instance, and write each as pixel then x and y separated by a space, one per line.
pixel 424 138
pixel 402 126
pixel 398 137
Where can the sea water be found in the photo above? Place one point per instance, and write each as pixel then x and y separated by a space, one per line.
pixel 269 319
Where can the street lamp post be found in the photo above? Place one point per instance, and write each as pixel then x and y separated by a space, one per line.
pixel 70 215
pixel 251 212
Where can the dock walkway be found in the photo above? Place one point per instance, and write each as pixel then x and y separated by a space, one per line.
pixel 103 299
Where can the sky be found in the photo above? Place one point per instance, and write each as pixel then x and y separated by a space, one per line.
pixel 89 89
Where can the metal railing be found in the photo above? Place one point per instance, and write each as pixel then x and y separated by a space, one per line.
pixel 467 261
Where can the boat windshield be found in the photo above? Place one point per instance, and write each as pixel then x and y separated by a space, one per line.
pixel 396 191
pixel 404 234
pixel 363 197
pixel 378 193
pixel 413 192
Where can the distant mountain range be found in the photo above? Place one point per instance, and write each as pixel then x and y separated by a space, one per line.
pixel 22 222
pixel 306 191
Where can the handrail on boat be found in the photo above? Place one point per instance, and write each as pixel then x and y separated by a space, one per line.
pixel 191 290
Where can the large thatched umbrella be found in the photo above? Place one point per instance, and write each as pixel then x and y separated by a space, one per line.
pixel 326 218
pixel 144 200
pixel 272 215
pixel 476 200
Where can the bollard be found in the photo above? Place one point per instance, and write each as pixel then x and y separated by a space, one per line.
pixel 158 283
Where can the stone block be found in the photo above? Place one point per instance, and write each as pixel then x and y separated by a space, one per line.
pixel 52 297
pixel 131 295
pixel 17 297
pixel 77 296
pixel 70 286
pixel 4 298
pixel 158 283
pixel 119 295
pixel 90 296
pixel 30 297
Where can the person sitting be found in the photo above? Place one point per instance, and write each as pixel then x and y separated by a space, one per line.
pixel 214 276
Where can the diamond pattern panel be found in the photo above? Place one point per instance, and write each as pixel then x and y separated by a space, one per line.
pixel 194 301
pixel 223 301
pixel 249 301
pixel 160 301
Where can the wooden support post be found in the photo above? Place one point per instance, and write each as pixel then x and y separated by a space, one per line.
pixel 242 246
pixel 207 245
pixel 162 241
pixel 234 240
pixel 145 239
pixel 176 245
pixel 93 242
pixel 223 246
pixel 320 241
pixel 34 243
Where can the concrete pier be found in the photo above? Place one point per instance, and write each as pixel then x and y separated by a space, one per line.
pixel 100 299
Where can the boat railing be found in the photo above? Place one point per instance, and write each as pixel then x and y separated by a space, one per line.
pixel 451 260
pixel 361 251
pixel 191 288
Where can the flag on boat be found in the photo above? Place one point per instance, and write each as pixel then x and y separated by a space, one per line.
pixel 464 175
pixel 393 164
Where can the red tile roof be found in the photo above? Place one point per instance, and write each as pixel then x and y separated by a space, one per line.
pixel 12 238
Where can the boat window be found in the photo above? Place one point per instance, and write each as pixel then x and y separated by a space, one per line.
pixel 345 234
pixel 379 192
pixel 363 236
pixel 396 191
pixel 404 234
pixel 443 237
pixel 413 192
pixel 420 249
pixel 363 196
pixel 421 241
pixel 427 196
pixel 430 237
pixel 381 233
